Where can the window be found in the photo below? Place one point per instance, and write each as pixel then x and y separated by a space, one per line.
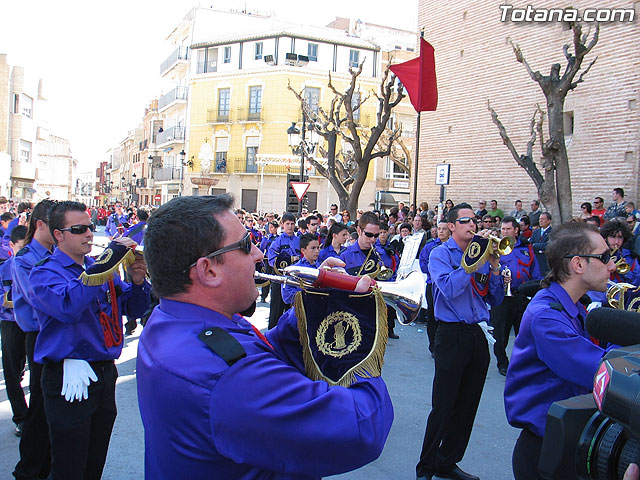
pixel 222 147
pixel 27 106
pixel 567 120
pixel 255 103
pixel 312 52
pixel 224 98
pixel 252 167
pixel 258 55
pixel 393 171
pixel 25 151
pixel 207 60
pixel 227 54
pixel 16 103
pixel 312 97
pixel 355 105
pixel 354 58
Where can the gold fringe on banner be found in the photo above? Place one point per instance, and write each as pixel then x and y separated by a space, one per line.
pixel 370 366
pixel 101 278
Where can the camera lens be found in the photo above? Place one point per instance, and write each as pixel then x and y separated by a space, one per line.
pixel 605 448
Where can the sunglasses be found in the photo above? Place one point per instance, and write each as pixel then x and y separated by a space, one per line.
pixel 371 235
pixel 603 257
pixel 77 229
pixel 245 245
pixel 465 220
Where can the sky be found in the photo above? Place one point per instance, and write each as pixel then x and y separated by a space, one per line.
pixel 100 62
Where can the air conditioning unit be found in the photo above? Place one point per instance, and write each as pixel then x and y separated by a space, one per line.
pixel 303 60
pixel 269 60
pixel 291 59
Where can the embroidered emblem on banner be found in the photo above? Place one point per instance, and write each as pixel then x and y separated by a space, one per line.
pixel 335 331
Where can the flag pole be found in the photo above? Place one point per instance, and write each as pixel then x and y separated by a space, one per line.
pixel 415 167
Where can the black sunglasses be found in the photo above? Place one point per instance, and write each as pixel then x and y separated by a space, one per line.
pixel 77 229
pixel 465 220
pixel 603 257
pixel 371 235
pixel 245 245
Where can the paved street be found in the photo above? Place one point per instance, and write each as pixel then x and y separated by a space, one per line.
pixel 408 372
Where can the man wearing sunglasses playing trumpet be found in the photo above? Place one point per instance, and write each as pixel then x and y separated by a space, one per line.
pixel 234 403
pixel 80 337
pixel 461 351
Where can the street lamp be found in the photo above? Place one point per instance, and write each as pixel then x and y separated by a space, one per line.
pixel 133 189
pixel 182 155
pixel 302 144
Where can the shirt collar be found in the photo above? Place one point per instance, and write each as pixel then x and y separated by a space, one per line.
pixel 565 300
pixel 39 248
pixel 65 259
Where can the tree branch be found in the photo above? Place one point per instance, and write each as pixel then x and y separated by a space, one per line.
pixel 525 161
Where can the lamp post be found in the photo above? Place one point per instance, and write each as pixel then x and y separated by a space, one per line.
pixel 133 189
pixel 302 144
pixel 122 180
pixel 182 154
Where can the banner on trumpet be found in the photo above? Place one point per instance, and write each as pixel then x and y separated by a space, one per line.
pixel 343 334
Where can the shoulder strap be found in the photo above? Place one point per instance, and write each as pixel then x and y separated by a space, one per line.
pixel 42 262
pixel 556 306
pixel 22 251
pixel 223 344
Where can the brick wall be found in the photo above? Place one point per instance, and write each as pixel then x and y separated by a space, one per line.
pixel 475 63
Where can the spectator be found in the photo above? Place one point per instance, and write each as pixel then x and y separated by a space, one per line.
pixel 617 208
pixel 525 227
pixel 630 208
pixel 448 205
pixel 534 214
pixel 482 208
pixel 598 208
pixel 494 210
pixel 594 220
pixel 487 222
pixel 333 213
pixel 585 211
pixel 518 212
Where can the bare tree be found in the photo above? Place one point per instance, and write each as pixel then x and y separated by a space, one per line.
pixel 347 168
pixel 554 186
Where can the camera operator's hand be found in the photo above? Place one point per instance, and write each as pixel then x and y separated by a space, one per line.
pixel 632 473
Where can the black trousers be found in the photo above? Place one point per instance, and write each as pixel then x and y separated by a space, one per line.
pixel 14 358
pixel 35 454
pixel 461 363
pixel 80 431
pixel 432 323
pixel 505 316
pixel 526 456
pixel 277 306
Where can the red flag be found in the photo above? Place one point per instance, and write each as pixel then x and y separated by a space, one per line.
pixel 419 78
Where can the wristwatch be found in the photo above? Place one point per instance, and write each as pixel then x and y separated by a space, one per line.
pixel 497 269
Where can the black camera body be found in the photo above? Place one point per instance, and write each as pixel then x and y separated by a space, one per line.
pixel 596 436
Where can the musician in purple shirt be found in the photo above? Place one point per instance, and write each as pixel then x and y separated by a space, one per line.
pixel 553 356
pixel 236 404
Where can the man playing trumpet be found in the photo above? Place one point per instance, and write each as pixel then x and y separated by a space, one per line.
pixel 522 264
pixel 235 404
pixel 617 233
pixel 461 351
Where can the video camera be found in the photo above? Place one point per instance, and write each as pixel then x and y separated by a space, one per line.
pixel 596 436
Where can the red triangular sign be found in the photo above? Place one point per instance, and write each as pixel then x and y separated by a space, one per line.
pixel 300 188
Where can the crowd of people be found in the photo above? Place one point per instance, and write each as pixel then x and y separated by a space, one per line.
pixel 198 349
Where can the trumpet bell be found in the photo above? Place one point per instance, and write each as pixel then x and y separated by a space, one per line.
pixel 404 296
pixel 505 245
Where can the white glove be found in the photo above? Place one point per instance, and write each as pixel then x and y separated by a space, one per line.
pixel 486 329
pixel 593 305
pixel 76 377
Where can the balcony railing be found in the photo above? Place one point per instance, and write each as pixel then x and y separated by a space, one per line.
pixel 250 114
pixel 172 134
pixel 221 166
pixel 175 95
pixel 167 173
pixel 218 116
pixel 181 53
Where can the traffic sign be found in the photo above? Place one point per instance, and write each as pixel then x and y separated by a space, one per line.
pixel 300 188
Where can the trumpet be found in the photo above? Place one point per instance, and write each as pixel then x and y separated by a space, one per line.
pixel 505 245
pixel 615 293
pixel 622 267
pixel 507 290
pixel 404 296
pixel 138 248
